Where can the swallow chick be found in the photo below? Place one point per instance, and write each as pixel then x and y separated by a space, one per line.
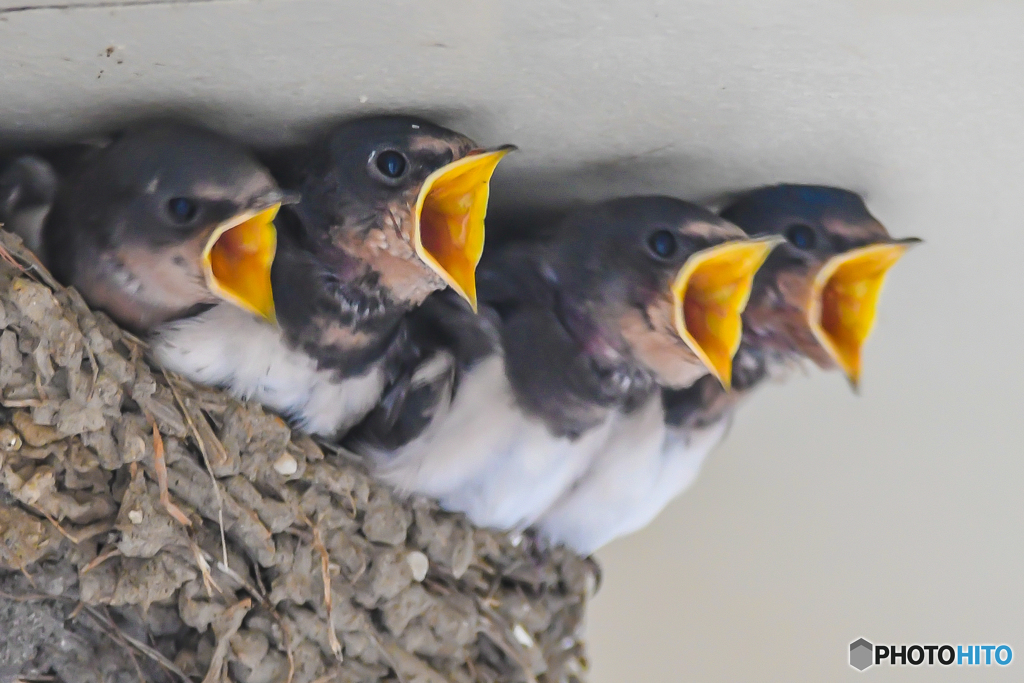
pixel 814 298
pixel 392 208
pixel 502 411
pixel 28 185
pixel 162 220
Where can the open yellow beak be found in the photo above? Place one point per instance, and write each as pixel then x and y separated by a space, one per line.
pixel 237 260
pixel 710 293
pixel 844 298
pixel 450 211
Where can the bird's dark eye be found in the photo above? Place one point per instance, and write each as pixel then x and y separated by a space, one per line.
pixel 391 164
pixel 801 236
pixel 182 210
pixel 662 244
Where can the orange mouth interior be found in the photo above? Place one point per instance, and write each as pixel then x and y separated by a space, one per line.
pixel 844 301
pixel 710 293
pixel 450 212
pixel 237 261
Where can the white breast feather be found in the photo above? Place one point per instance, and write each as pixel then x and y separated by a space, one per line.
pixel 642 468
pixel 228 347
pixel 486 458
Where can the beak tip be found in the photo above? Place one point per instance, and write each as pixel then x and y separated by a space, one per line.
pixel 724 376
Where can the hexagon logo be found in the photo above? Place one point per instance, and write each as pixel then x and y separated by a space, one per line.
pixel 861 654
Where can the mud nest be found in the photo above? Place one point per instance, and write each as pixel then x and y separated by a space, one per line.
pixel 270 558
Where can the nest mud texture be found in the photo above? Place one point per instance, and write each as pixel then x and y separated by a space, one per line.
pixel 153 530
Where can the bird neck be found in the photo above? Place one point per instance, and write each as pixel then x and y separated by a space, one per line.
pixel 564 373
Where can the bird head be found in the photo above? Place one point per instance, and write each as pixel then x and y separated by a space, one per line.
pixel 162 219
pixel 659 279
pixel 165 218
pixel 407 198
pixel 817 294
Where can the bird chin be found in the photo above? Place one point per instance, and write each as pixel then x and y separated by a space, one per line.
pixel 237 261
pixel 450 211
pixel 844 298
pixel 709 294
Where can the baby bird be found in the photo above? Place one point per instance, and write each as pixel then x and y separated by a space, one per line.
pixel 814 298
pixel 392 209
pixel 162 221
pixel 503 411
pixel 28 185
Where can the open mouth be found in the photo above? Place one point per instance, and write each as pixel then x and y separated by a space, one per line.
pixel 710 293
pixel 450 211
pixel 237 260
pixel 844 299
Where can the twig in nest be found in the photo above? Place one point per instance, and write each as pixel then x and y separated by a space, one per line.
pixel 95 370
pixel 28 577
pixel 206 461
pixel 204 567
pixel 135 664
pixel 399 658
pixel 325 570
pixel 160 464
pixel 224 627
pixel 259 595
pixel 494 627
pixel 111 629
pixel 27 597
pixel 387 655
pixel 21 402
pixel 259 580
pixel 255 592
pixel 100 559
pixel 501 635
pixel 6 256
pixel 84 534
pixel 287 632
pixel 27 262
pixel 340 451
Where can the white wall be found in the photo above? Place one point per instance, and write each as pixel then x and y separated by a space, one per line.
pixel 896 515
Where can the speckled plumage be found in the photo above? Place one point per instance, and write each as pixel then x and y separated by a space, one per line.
pixel 345 277
pixel 517 420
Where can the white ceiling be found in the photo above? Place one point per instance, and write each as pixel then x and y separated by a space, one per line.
pixel 895 515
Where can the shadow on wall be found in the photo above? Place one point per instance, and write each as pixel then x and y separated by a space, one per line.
pixel 260 130
pixel 525 199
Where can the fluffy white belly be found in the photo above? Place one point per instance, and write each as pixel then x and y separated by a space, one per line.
pixel 485 457
pixel 228 347
pixel 643 466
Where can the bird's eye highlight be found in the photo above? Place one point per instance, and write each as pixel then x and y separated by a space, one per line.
pixel 662 244
pixel 801 236
pixel 391 164
pixel 182 210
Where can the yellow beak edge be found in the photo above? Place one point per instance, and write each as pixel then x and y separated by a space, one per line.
pixel 237 260
pixel 710 293
pixel 450 211
pixel 844 299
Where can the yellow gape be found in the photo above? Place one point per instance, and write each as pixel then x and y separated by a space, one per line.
pixel 237 261
pixel 710 293
pixel 844 298
pixel 449 230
